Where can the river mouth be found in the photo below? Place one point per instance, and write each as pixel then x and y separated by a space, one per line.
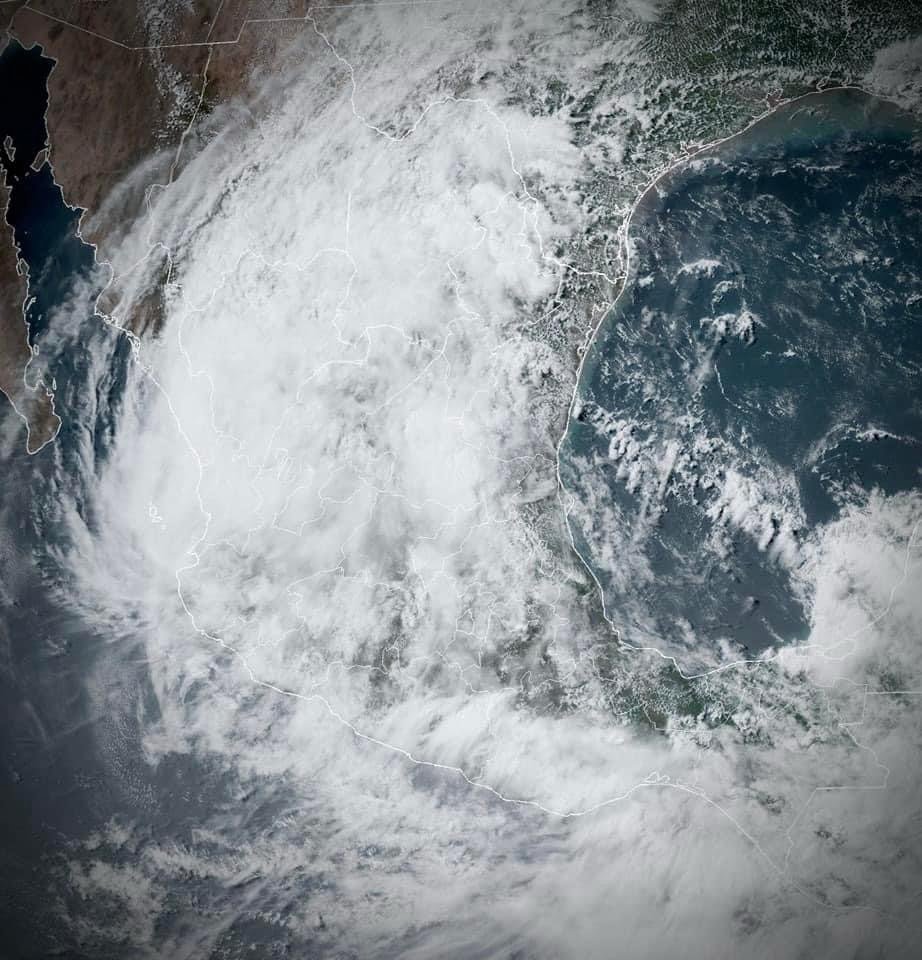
pixel 757 375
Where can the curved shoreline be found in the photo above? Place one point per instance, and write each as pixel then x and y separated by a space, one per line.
pixel 624 257
pixel 654 779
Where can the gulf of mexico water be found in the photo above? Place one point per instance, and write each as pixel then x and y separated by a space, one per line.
pixel 761 370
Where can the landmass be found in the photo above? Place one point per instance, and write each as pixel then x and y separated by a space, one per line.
pixel 129 80
pixel 132 78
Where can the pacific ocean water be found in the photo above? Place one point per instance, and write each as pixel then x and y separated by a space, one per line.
pixel 811 220
pixel 56 783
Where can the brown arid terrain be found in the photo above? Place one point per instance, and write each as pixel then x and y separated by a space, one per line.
pixel 130 79
pixel 36 406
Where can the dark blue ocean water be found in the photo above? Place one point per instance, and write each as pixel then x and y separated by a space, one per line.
pixel 44 227
pixel 76 696
pixel 771 331
pixel 22 125
pixel 55 784
pixel 63 277
pixel 835 342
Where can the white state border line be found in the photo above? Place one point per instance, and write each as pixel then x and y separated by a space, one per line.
pixel 625 257
pixel 654 779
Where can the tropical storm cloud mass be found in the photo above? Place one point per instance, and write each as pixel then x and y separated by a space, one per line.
pixel 463 480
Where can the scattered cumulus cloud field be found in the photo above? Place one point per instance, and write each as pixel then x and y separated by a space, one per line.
pixel 332 510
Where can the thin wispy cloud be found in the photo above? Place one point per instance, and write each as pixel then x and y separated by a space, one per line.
pixel 331 510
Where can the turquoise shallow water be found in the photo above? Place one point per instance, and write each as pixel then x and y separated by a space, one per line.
pixel 760 371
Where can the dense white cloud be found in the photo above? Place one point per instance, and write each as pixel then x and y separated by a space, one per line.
pixel 318 505
pixel 897 72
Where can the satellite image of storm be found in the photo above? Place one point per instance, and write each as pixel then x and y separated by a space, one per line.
pixel 461 480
